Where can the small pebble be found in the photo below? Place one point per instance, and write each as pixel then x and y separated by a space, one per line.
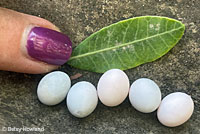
pixel 82 99
pixel 113 87
pixel 145 95
pixel 175 109
pixel 53 88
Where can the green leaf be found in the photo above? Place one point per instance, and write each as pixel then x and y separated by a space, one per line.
pixel 127 44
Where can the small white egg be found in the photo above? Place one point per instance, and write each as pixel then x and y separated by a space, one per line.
pixel 113 87
pixel 175 109
pixel 145 95
pixel 53 88
pixel 82 99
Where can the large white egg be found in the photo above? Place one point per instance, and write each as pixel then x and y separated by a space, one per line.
pixel 82 99
pixel 53 88
pixel 145 95
pixel 175 109
pixel 113 87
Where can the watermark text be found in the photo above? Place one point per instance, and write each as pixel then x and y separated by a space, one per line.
pixel 22 129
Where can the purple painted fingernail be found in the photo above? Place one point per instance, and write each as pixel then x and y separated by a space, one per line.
pixel 48 46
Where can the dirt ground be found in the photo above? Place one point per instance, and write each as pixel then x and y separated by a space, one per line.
pixel 178 70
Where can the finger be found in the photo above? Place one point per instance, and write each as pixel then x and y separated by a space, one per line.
pixel 28 45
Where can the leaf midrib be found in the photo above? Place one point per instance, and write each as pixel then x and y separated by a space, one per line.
pixel 122 45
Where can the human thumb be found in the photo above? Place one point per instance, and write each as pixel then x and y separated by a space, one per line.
pixel 30 44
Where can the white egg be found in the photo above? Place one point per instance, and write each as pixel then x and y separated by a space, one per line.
pixel 53 88
pixel 145 95
pixel 113 87
pixel 175 109
pixel 82 99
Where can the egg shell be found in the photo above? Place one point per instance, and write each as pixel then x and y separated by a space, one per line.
pixel 53 88
pixel 145 95
pixel 113 87
pixel 82 99
pixel 175 109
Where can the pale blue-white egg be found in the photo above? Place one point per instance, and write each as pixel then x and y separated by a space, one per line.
pixel 53 88
pixel 145 95
pixel 175 109
pixel 82 99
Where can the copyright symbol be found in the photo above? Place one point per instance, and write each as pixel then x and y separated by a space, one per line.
pixel 4 129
